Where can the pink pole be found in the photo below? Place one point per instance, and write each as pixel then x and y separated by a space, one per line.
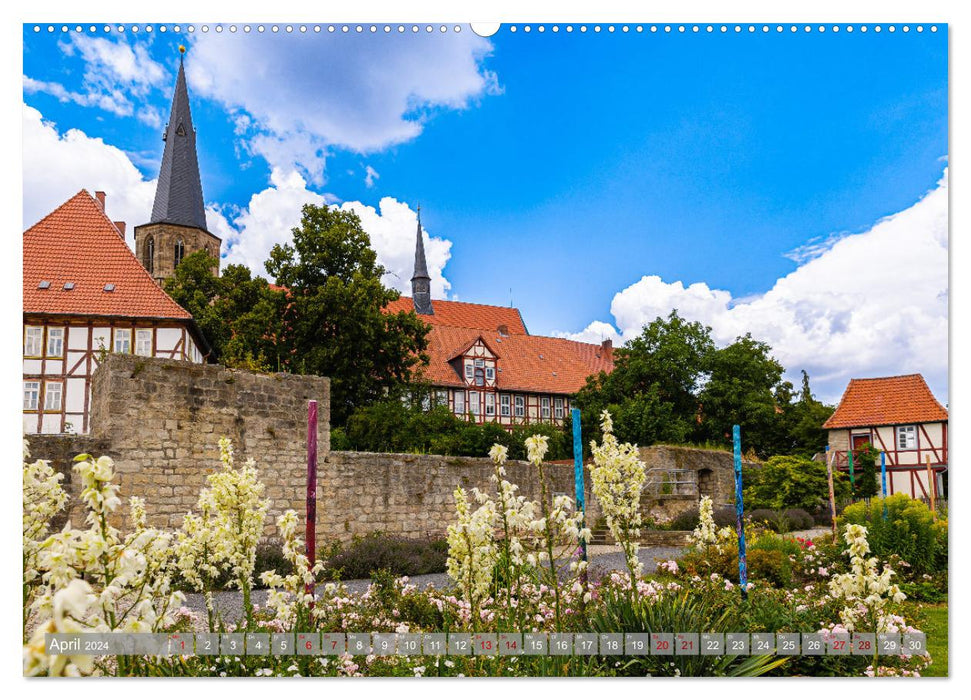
pixel 311 486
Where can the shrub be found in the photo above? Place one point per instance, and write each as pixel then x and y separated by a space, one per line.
pixel 791 482
pixel 686 520
pixel 865 466
pixel 909 531
pixel 376 551
pixel 783 520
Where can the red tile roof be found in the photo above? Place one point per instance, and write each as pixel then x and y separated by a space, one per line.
pixel 886 401
pixel 526 362
pixel 463 315
pixel 78 243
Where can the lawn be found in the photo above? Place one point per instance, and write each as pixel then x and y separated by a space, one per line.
pixel 935 626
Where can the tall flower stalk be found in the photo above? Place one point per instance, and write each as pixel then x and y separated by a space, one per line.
pixel 618 478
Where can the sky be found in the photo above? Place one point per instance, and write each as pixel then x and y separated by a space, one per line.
pixel 791 185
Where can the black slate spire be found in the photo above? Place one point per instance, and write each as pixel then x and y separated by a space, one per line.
pixel 178 197
pixel 421 293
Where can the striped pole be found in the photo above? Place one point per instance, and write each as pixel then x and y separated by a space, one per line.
pixel 883 479
pixel 578 480
pixel 311 487
pixel 740 512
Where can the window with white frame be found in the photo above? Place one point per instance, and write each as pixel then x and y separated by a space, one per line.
pixel 122 340
pixel 31 394
pixel 33 341
pixel 460 403
pixel 442 398
pixel 490 373
pixel 468 370
pixel 558 408
pixel 545 404
pixel 520 407
pixel 143 342
pixel 490 402
pixel 504 405
pixel 426 402
pixel 474 403
pixel 906 437
pixel 55 342
pixel 480 363
pixel 53 392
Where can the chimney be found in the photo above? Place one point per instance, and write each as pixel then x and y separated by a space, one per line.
pixel 120 225
pixel 607 346
pixel 100 196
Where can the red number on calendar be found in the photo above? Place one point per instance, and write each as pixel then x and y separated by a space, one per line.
pixel 663 645
pixel 839 644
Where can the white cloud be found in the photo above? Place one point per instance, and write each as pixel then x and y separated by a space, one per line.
pixel 393 236
pixel 116 77
pixel 362 93
pixel 867 304
pixel 370 175
pixel 58 165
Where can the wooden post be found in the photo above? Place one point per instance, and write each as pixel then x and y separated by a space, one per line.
pixel 740 512
pixel 932 488
pixel 883 480
pixel 311 487
pixel 832 490
pixel 578 485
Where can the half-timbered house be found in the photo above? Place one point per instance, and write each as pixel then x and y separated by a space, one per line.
pixel 900 417
pixel 85 294
pixel 485 366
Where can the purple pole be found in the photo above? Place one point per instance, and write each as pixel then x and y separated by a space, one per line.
pixel 311 486
pixel 740 512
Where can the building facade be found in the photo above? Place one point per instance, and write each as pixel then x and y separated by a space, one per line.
pixel 86 294
pixel 900 417
pixel 486 367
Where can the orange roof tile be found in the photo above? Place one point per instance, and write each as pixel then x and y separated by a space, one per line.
pixel 464 315
pixel 78 243
pixel 886 401
pixel 526 362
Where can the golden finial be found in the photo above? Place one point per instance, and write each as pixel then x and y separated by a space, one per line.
pixel 181 48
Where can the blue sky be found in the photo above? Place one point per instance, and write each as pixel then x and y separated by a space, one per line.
pixel 791 184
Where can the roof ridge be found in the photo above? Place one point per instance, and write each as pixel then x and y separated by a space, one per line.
pixel 56 209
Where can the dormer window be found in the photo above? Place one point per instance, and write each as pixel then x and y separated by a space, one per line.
pixel 490 373
pixel 468 370
pixel 479 376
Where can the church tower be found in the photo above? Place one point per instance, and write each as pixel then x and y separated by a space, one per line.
pixel 421 283
pixel 178 224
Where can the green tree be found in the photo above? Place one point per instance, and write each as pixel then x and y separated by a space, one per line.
pixel 791 482
pixel 240 316
pixel 651 391
pixel 865 466
pixel 334 323
pixel 741 389
pixel 801 422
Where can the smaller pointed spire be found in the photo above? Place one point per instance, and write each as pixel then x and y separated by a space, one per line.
pixel 420 281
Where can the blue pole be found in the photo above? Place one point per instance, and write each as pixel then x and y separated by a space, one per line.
pixel 883 478
pixel 578 476
pixel 740 512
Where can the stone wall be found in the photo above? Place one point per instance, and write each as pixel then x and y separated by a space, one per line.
pixel 707 472
pixel 161 420
pixel 411 495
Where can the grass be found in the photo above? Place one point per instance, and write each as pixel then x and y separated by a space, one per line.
pixel 935 626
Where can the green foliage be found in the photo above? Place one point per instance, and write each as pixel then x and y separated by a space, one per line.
pixel 651 391
pixel 782 520
pixel 328 319
pixel 909 532
pixel 397 556
pixel 393 425
pixel 685 613
pixel 739 391
pixel 791 482
pixel 865 467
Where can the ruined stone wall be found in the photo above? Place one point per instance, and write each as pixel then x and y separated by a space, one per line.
pixel 412 495
pixel 161 420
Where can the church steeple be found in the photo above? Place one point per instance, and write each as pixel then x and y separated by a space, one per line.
pixel 178 224
pixel 421 293
pixel 178 197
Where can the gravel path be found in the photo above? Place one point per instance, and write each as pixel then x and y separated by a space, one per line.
pixel 603 559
